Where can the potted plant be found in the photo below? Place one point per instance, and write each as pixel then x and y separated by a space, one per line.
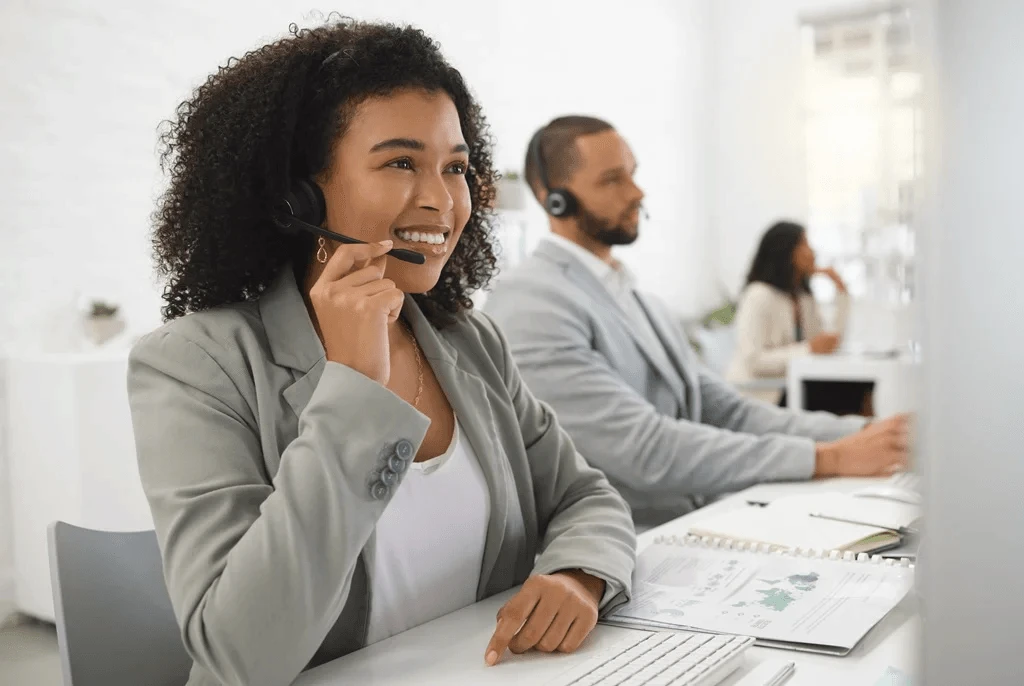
pixel 103 322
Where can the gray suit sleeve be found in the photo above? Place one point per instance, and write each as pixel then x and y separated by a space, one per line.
pixel 618 430
pixel 257 573
pixel 724 407
pixel 585 523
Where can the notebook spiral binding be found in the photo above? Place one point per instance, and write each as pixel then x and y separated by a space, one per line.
pixel 764 548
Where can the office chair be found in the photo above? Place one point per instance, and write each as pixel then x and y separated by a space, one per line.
pixel 115 624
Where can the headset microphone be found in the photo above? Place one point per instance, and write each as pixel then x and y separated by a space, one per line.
pixel 304 207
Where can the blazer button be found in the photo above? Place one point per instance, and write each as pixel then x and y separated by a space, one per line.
pixel 388 477
pixel 404 449
pixel 397 464
pixel 379 491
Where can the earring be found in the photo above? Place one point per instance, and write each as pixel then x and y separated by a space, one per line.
pixel 321 254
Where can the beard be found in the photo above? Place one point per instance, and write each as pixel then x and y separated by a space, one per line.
pixel 619 232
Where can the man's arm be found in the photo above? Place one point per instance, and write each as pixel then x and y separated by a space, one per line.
pixel 726 408
pixel 618 430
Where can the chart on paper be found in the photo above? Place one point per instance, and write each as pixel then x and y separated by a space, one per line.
pixel 773 597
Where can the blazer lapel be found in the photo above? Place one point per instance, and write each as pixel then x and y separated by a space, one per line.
pixel 469 399
pixel 670 341
pixel 591 285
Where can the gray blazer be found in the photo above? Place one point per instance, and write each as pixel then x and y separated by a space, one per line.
pixel 267 467
pixel 662 434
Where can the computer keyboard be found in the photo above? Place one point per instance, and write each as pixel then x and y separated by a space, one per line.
pixel 662 658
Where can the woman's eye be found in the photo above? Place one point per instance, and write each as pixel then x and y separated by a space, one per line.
pixel 404 163
pixel 458 168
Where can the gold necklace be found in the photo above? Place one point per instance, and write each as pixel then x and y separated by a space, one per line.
pixel 419 364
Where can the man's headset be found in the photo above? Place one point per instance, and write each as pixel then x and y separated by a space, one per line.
pixel 560 202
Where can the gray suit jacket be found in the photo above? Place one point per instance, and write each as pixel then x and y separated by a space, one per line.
pixel 663 434
pixel 264 468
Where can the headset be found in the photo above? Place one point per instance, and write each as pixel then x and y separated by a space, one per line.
pixel 304 207
pixel 560 202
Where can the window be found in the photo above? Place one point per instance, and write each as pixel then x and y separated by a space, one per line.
pixel 862 92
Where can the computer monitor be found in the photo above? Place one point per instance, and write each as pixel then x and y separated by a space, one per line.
pixel 971 569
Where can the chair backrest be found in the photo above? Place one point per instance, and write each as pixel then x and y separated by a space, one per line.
pixel 115 623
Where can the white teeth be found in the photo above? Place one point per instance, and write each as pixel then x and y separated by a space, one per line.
pixel 417 237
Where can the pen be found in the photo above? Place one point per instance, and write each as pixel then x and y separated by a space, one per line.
pixel 772 673
pixel 782 675
pixel 901 531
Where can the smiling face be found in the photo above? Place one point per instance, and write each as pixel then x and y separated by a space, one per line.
pixel 399 172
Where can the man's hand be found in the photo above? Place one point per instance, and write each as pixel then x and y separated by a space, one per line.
pixel 550 612
pixel 878 449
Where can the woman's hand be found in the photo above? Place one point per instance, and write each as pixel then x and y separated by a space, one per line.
pixel 831 273
pixel 824 343
pixel 354 303
pixel 550 612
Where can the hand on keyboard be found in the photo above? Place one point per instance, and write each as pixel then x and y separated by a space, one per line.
pixel 551 612
pixel 877 450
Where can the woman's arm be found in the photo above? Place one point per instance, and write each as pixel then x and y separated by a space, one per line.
pixel 586 524
pixel 257 572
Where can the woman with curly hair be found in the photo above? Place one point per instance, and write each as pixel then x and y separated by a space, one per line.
pixel 334 444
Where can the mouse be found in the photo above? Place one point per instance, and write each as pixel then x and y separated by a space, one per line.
pixel 902 495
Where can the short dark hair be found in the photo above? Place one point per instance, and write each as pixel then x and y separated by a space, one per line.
pixel 274 115
pixel 773 262
pixel 557 147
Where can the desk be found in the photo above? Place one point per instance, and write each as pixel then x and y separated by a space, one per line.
pixel 893 378
pixel 450 651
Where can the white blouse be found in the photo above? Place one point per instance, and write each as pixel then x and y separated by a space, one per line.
pixel 430 542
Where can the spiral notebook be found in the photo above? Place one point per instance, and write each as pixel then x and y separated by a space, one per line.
pixel 823 521
pixel 815 602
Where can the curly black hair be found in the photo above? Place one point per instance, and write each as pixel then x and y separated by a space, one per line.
pixel 274 115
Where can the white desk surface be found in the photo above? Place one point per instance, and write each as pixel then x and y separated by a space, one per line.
pixel 450 650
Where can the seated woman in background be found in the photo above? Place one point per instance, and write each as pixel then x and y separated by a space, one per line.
pixel 778 319
pixel 335 445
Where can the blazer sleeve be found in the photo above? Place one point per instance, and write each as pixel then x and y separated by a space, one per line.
pixel 616 429
pixel 726 408
pixel 585 522
pixel 257 572
pixel 754 319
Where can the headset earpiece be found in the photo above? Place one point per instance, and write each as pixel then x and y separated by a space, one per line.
pixel 303 201
pixel 560 202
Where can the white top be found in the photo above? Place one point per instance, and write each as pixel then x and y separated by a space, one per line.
pixel 766 334
pixel 621 284
pixel 430 542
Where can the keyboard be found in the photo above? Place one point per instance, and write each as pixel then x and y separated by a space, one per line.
pixel 662 658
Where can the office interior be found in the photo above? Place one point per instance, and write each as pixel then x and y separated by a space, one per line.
pixel 889 129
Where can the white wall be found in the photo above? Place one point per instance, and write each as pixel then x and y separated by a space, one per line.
pixel 85 86
pixel 756 158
